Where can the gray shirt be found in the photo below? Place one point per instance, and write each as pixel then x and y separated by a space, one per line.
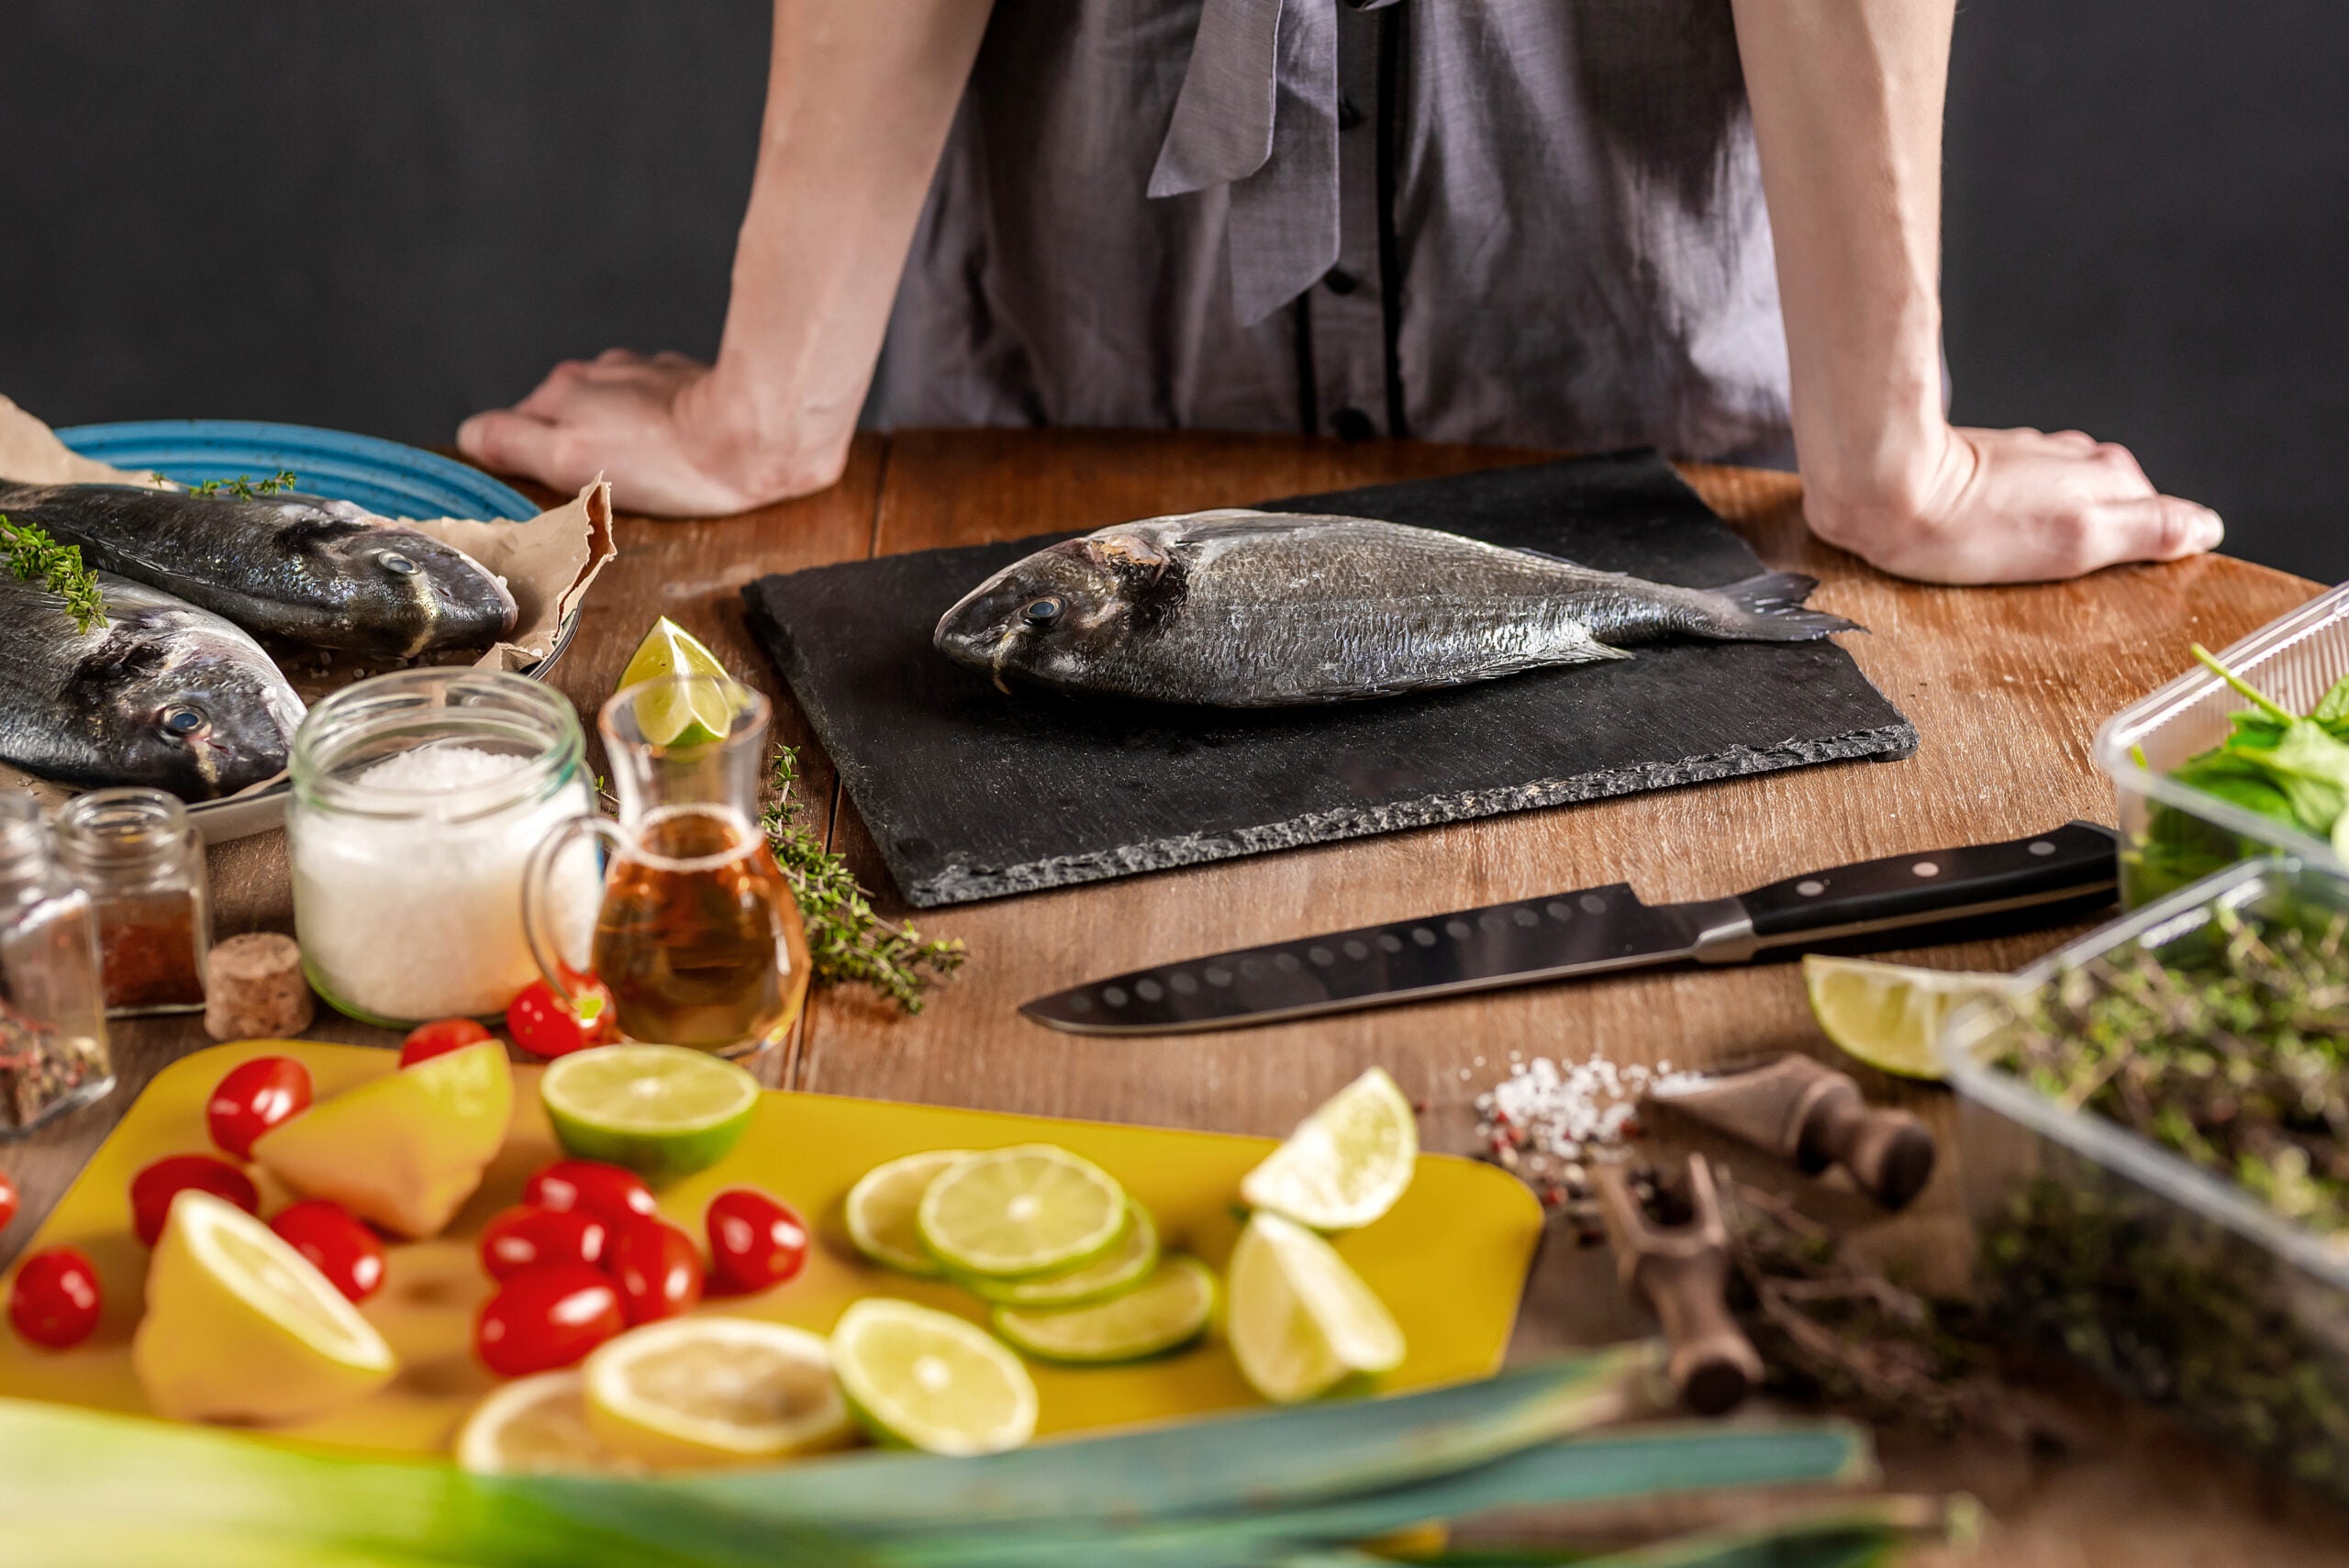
pixel 1526 221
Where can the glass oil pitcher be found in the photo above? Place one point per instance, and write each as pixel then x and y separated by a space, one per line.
pixel 698 938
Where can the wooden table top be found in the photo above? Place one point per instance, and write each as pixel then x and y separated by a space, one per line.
pixel 2005 686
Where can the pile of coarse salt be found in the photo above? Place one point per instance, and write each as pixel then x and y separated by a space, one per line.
pixel 1545 1121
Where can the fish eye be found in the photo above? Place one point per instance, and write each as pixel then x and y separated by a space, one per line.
pixel 1044 611
pixel 184 721
pixel 395 561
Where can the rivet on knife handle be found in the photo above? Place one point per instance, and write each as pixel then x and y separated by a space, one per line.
pixel 1684 1274
pixel 1812 1116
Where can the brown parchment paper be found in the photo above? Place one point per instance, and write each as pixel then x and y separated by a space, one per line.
pixel 549 562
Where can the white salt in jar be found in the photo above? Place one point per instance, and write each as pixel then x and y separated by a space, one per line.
pixel 418 797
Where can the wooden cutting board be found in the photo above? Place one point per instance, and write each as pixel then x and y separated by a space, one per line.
pixel 971 793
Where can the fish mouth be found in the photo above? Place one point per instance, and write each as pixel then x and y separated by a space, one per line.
pixel 1010 638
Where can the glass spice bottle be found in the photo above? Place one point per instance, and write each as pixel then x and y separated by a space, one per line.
pixel 52 1008
pixel 140 859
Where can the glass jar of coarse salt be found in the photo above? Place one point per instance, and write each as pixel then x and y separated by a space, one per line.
pixel 417 798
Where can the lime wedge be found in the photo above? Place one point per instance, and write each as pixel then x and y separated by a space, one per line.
pixel 932 1380
pixel 1300 1320
pixel 1169 1309
pixel 692 714
pixel 714 1390
pixel 1888 1015
pixel 880 1210
pixel 537 1425
pixel 1346 1163
pixel 1124 1266
pixel 1021 1213
pixel 660 1110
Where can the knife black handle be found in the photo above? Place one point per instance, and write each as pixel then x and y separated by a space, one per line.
pixel 2074 861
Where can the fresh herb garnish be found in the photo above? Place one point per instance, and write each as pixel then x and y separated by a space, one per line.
pixel 35 557
pixel 846 939
pixel 245 487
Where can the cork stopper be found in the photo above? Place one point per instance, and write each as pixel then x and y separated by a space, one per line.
pixel 255 989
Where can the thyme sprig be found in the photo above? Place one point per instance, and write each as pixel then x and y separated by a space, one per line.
pixel 245 487
pixel 847 941
pixel 35 557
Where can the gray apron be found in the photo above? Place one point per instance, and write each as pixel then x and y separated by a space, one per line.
pixel 1526 221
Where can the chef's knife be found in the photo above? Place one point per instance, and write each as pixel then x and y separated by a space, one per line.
pixel 1561 936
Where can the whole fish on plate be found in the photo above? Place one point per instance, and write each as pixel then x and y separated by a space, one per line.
pixel 1264 609
pixel 163 693
pixel 326 574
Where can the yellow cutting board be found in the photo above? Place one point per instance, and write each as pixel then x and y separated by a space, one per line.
pixel 1449 1260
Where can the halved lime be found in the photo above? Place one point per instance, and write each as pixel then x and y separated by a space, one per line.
pixel 697 1390
pixel 1021 1213
pixel 1125 1265
pixel 688 713
pixel 537 1425
pixel 660 1110
pixel 1346 1163
pixel 880 1210
pixel 1888 1015
pixel 1170 1308
pixel 1300 1320
pixel 930 1380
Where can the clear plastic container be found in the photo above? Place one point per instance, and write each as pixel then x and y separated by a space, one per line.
pixel 2175 1285
pixel 53 1052
pixel 2172 834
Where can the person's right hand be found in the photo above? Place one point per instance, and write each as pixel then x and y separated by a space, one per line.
pixel 662 431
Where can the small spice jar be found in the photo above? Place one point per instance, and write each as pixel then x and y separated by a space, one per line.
pixel 140 859
pixel 417 798
pixel 53 1008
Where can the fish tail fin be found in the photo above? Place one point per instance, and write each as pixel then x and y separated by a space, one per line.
pixel 1767 608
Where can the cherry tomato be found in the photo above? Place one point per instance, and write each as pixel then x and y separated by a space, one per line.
pixel 547 1317
pixel 152 1189
pixel 543 1025
pixel 525 1238
pixel 55 1300
pixel 613 1193
pixel 754 1242
pixel 657 1270
pixel 255 1097
pixel 347 1252
pixel 8 1200
pixel 439 1037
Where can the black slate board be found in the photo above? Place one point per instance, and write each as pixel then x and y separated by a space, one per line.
pixel 971 793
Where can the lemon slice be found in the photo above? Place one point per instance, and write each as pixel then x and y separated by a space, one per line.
pixel 1300 1320
pixel 932 1380
pixel 239 1326
pixel 690 713
pixel 880 1210
pixel 1170 1309
pixel 537 1425
pixel 1346 1163
pixel 660 1110
pixel 1020 1213
pixel 1888 1015
pixel 1124 1266
pixel 714 1391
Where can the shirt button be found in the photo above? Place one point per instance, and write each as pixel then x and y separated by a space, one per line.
pixel 1352 424
pixel 1340 281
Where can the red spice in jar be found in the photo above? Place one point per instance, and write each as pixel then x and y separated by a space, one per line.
pixel 148 948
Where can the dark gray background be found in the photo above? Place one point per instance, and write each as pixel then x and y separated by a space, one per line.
pixel 383 216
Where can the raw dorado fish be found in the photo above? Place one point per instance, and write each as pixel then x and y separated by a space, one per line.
pixel 164 693
pixel 1262 609
pixel 321 572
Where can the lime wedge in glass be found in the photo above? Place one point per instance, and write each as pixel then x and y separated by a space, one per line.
pixel 1021 1213
pixel 932 1380
pixel 1120 1269
pixel 1169 1309
pixel 1888 1015
pixel 660 1110
pixel 1346 1163
pixel 880 1210
pixel 1300 1320
pixel 690 714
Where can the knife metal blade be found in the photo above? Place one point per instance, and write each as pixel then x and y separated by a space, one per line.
pixel 1588 931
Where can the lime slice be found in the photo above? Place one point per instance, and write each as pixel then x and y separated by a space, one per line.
pixel 660 1110
pixel 1888 1015
pixel 1346 1163
pixel 1021 1213
pixel 1170 1308
pixel 689 714
pixel 880 1210
pixel 714 1390
pixel 1124 1266
pixel 932 1380
pixel 537 1425
pixel 1300 1320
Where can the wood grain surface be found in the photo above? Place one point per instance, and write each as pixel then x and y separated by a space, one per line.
pixel 2006 687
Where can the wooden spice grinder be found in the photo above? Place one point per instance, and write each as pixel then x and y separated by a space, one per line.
pixel 1683 1270
pixel 1813 1116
